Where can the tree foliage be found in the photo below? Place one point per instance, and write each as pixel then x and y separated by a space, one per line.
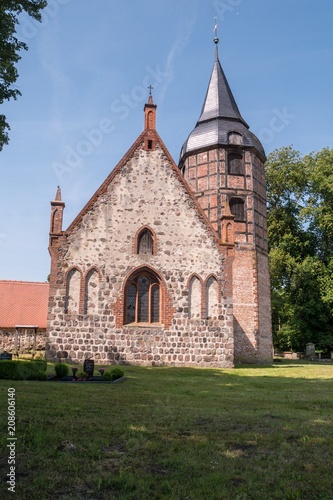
pixel 10 47
pixel 300 232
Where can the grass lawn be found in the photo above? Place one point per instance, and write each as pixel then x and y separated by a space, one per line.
pixel 176 433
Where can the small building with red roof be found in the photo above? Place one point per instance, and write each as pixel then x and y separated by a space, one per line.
pixel 23 316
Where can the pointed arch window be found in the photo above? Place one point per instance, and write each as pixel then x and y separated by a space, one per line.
pixel 237 208
pixel 235 164
pixel 145 242
pixel 143 299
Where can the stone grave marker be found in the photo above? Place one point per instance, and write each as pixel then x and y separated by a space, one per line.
pixel 6 356
pixel 88 367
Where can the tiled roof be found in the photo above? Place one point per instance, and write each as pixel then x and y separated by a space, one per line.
pixel 23 303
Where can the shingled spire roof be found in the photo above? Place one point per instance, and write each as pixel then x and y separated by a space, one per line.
pixel 219 116
pixel 219 101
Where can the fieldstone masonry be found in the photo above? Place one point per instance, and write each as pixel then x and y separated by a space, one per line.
pixel 146 190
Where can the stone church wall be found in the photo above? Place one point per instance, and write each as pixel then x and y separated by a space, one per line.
pixel 101 245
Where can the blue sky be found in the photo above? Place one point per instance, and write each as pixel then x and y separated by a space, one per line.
pixel 84 84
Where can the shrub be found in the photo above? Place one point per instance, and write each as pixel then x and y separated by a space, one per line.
pixel 107 376
pixel 61 370
pixel 117 373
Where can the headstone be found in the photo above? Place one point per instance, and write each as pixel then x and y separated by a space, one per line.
pixel 310 351
pixel 88 366
pixel 6 356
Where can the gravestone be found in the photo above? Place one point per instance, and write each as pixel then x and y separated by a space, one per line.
pixel 310 351
pixel 6 356
pixel 88 367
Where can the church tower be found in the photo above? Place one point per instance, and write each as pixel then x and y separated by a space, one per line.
pixel 223 163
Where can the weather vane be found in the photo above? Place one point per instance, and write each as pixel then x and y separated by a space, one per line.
pixel 216 39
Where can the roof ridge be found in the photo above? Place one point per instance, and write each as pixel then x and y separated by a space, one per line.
pixel 25 282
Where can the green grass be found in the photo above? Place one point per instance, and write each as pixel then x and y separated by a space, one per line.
pixel 177 433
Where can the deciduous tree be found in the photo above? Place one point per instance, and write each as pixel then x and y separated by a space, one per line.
pixel 300 229
pixel 10 47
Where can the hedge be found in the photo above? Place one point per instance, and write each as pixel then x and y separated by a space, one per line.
pixel 21 370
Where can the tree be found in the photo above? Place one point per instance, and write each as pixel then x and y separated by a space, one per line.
pixel 10 47
pixel 319 167
pixel 300 232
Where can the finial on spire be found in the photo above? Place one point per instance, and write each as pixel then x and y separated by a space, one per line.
pixel 58 194
pixel 150 97
pixel 216 38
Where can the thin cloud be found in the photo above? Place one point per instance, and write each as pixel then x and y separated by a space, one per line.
pixel 186 27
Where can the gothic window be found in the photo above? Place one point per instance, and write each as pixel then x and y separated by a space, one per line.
pixel 237 208
pixel 91 292
pixel 145 242
pixel 195 298
pixel 235 164
pixel 212 298
pixel 143 299
pixel 72 300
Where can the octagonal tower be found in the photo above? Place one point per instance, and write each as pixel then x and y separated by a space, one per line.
pixel 223 163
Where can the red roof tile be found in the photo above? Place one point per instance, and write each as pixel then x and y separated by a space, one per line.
pixel 23 303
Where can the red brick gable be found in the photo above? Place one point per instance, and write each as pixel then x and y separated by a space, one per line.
pixel 23 303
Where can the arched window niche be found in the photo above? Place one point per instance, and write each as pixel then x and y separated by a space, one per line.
pixel 143 298
pixel 145 242
pixel 91 292
pixel 235 138
pixel 194 310
pixel 212 298
pixel 73 283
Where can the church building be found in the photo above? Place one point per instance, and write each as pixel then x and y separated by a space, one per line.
pixel 167 264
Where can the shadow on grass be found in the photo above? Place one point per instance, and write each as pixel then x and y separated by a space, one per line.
pixel 283 363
